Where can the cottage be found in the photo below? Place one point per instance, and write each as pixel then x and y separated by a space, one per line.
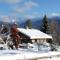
pixel 33 35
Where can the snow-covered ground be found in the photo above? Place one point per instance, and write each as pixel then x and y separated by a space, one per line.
pixel 25 54
pixel 32 52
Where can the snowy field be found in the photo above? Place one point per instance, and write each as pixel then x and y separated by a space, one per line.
pixel 24 54
pixel 29 53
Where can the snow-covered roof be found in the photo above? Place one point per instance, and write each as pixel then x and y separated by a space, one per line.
pixel 34 33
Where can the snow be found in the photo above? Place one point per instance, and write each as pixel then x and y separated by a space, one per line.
pixel 34 33
pixel 28 53
pixel 20 54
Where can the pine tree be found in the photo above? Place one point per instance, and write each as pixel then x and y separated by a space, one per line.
pixel 45 25
pixel 29 23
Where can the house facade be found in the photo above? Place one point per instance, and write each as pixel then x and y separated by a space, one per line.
pixel 32 35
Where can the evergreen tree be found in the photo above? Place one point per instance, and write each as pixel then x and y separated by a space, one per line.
pixel 29 24
pixel 45 26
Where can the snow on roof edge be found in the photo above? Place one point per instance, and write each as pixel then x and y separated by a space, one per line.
pixel 34 33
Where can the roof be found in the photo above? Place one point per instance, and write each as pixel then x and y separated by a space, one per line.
pixel 34 33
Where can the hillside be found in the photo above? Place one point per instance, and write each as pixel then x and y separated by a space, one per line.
pixel 36 23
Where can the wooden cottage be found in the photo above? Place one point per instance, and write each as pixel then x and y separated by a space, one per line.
pixel 32 35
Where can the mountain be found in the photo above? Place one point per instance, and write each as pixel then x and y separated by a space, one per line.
pixel 36 22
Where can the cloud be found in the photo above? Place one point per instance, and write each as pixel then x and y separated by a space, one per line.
pixel 5 18
pixel 32 16
pixel 11 1
pixel 26 6
pixel 55 14
pixel 29 16
pixel 31 4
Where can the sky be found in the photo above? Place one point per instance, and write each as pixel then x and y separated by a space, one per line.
pixel 28 8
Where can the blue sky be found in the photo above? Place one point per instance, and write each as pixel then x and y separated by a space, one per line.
pixel 28 8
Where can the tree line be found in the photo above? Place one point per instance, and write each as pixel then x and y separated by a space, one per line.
pixel 48 28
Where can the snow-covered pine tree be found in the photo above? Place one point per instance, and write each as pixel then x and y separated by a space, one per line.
pixel 29 24
pixel 45 25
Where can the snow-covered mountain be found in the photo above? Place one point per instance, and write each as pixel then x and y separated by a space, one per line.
pixel 36 22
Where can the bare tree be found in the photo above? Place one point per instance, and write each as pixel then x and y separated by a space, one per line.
pixel 53 27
